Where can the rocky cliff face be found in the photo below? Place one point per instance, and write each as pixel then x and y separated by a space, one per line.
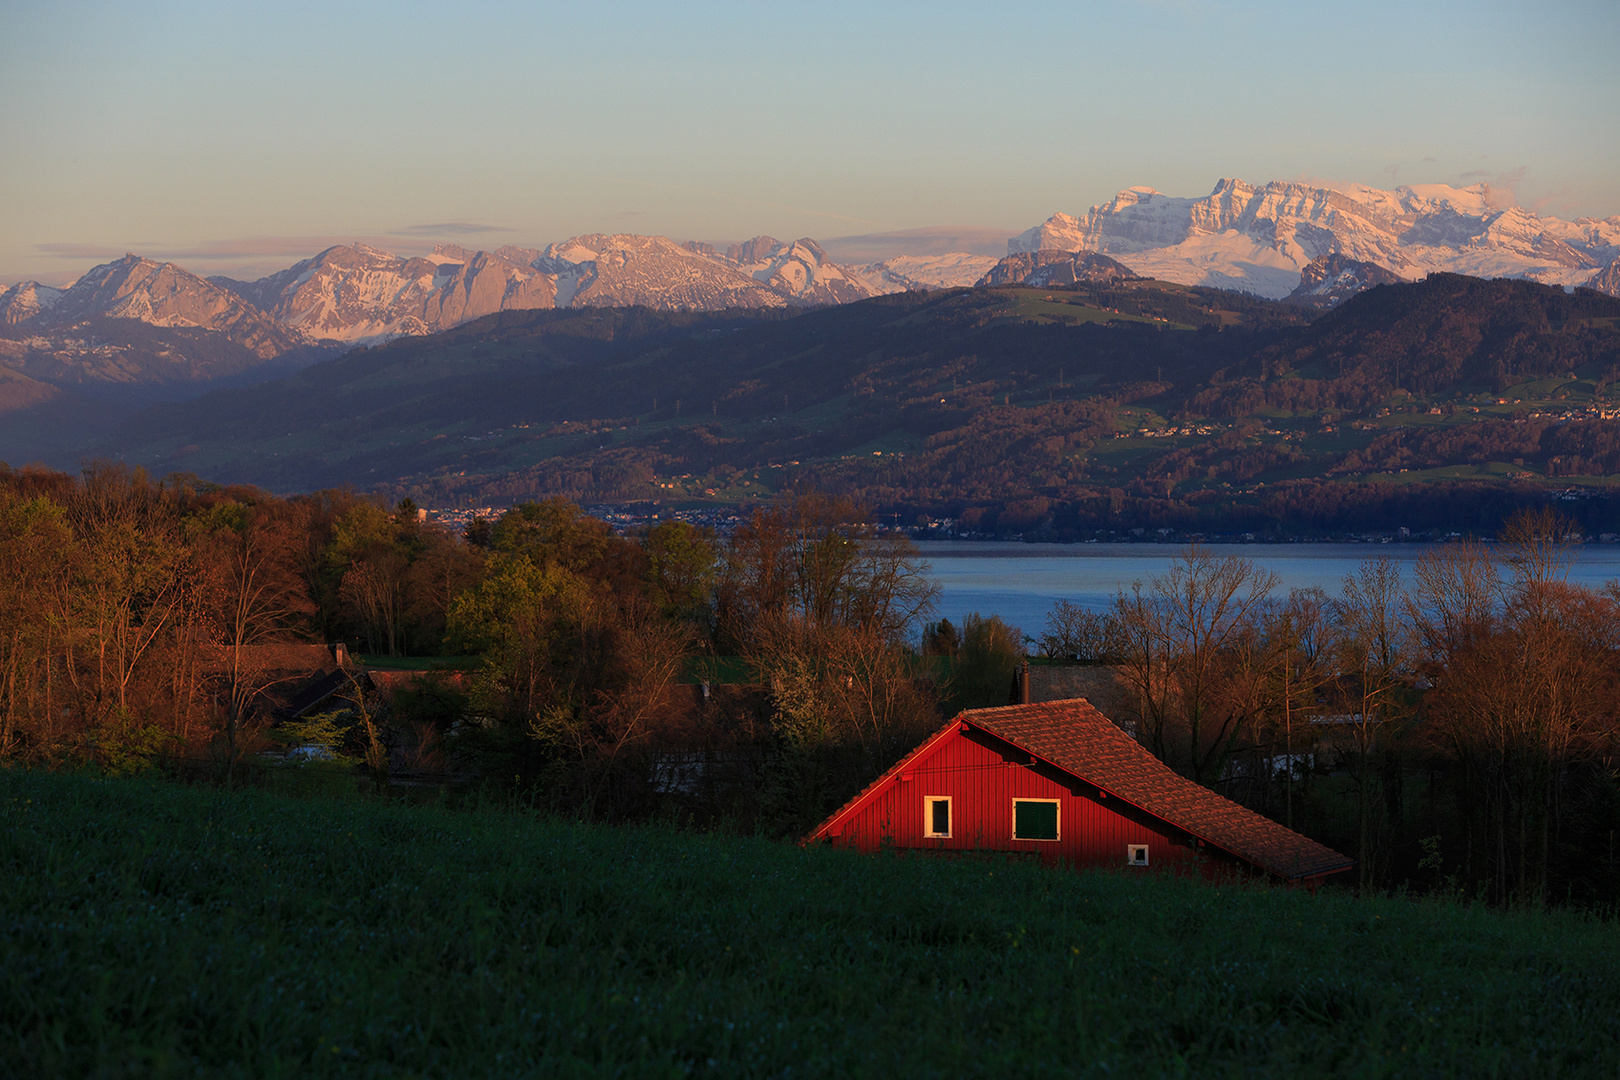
pixel 1607 279
pixel 1044 269
pixel 1259 239
pixel 358 293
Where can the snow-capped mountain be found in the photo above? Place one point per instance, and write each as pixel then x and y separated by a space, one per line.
pixel 25 300
pixel 158 294
pixel 1260 239
pixel 800 270
pixel 906 273
pixel 653 271
pixel 355 293
pixel 1046 268
pixel 1330 280
pixel 136 325
pixel 352 293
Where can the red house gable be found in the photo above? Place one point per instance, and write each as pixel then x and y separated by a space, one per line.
pixel 1062 781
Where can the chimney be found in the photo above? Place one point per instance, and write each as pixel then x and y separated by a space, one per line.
pixel 1023 683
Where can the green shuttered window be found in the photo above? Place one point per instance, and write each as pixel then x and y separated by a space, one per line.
pixel 1035 819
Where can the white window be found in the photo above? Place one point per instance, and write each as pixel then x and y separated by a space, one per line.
pixel 937 815
pixel 1136 854
pixel 1035 819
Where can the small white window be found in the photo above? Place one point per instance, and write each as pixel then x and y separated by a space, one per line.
pixel 1035 819
pixel 1136 854
pixel 937 815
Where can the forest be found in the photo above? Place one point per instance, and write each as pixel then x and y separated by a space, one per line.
pixel 1453 732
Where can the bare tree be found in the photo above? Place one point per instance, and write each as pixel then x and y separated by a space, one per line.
pixel 250 595
pixel 1188 636
pixel 375 586
pixel 1524 676
pixel 1301 639
pixel 1074 633
pixel 1374 624
pixel 36 554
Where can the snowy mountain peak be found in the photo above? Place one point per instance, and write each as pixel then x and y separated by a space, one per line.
pixel 1045 269
pixel 158 294
pixel 1258 238
pixel 25 300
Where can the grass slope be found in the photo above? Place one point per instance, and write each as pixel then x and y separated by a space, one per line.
pixel 157 930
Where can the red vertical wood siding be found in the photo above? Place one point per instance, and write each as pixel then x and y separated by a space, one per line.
pixel 982 784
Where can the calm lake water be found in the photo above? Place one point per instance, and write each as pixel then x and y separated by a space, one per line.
pixel 1021 582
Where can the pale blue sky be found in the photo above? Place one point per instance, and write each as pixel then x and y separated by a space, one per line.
pixel 240 137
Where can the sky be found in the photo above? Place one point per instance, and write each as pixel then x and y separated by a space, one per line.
pixel 238 138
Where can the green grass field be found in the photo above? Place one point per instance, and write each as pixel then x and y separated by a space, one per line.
pixel 157 930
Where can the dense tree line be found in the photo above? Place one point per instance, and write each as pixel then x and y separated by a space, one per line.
pixel 132 607
pixel 1454 731
pixel 135 612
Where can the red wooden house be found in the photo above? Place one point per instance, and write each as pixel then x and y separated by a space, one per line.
pixel 1062 782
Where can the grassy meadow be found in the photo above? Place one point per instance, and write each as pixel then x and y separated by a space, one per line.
pixel 159 930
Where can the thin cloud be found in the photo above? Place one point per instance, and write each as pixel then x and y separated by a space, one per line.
pixel 246 258
pixel 1502 191
pixel 247 247
pixel 80 251
pixel 450 228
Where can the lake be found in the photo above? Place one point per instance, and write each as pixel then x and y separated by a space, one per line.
pixel 1021 582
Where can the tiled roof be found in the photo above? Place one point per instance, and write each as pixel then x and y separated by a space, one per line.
pixel 1084 743
pixel 1080 740
pixel 321 690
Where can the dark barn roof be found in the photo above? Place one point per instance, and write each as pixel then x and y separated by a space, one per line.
pixel 1077 739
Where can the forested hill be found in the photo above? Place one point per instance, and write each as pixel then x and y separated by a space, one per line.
pixel 1045 412
pixel 1443 334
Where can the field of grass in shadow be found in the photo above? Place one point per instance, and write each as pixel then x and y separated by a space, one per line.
pixel 153 929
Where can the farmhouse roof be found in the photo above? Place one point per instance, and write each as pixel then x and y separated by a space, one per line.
pixel 1077 739
pixel 318 692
